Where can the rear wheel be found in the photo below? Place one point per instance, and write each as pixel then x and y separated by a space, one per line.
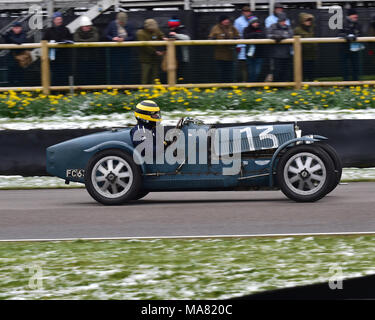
pixel 305 173
pixel 112 177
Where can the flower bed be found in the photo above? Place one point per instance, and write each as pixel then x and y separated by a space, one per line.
pixel 25 104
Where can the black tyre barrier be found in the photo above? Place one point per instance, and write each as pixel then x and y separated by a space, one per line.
pixel 23 152
pixel 354 140
pixel 354 288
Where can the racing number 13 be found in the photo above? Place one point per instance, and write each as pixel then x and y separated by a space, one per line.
pixel 265 134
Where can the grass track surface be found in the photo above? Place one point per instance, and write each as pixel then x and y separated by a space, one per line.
pixel 176 269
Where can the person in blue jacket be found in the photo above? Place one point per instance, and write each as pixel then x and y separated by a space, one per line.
pixel 119 30
pixel 241 23
pixel 255 53
pixel 273 18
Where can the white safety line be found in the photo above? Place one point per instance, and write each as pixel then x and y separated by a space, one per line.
pixel 276 235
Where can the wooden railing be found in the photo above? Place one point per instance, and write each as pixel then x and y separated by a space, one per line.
pixel 170 45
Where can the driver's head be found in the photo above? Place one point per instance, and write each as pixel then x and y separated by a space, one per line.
pixel 147 112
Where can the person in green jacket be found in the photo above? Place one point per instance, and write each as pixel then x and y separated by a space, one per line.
pixel 224 54
pixel 150 56
pixel 86 31
pixel 85 59
pixel 306 29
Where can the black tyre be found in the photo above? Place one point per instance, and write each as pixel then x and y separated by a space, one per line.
pixel 336 161
pixel 305 173
pixel 112 177
pixel 141 195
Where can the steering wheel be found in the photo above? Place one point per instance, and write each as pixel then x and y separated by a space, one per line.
pixel 180 123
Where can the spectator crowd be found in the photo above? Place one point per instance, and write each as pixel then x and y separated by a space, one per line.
pixel 277 59
pixel 244 63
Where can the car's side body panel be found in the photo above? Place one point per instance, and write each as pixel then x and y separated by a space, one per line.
pixel 252 138
pixel 259 144
pixel 68 160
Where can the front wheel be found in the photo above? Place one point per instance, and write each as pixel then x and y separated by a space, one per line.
pixel 112 177
pixel 305 173
pixel 336 161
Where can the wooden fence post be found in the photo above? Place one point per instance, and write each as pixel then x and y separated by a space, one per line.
pixel 171 63
pixel 297 62
pixel 45 68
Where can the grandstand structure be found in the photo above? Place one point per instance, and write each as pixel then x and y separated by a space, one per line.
pixel 79 5
pixel 19 10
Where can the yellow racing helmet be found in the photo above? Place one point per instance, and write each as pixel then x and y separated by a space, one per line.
pixel 147 111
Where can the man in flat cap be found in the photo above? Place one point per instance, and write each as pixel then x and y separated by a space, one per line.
pixel 281 53
pixel 224 54
pixel 150 56
pixel 17 59
pixel 351 51
pixel 61 61
pixel 273 18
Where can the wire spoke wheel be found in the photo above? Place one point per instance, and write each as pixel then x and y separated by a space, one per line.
pixel 112 177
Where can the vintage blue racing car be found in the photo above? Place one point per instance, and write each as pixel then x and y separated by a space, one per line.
pixel 271 156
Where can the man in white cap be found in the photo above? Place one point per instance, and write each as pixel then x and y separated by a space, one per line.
pixel 85 66
pixel 86 31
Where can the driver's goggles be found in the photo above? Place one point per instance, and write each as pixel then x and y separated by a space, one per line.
pixel 155 115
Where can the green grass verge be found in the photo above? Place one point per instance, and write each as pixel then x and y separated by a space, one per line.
pixel 176 269
pixel 26 104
